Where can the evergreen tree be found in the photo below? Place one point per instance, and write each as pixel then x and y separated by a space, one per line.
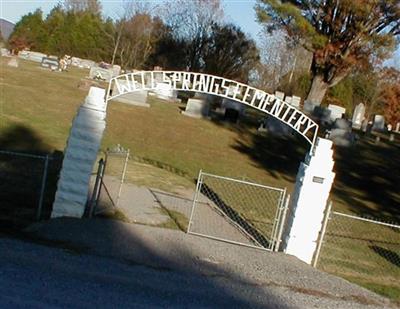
pixel 30 32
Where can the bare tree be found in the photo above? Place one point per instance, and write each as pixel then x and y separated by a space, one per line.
pixel 192 21
pixel 75 6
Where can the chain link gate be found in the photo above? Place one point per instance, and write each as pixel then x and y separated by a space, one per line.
pixel 238 212
pixel 109 181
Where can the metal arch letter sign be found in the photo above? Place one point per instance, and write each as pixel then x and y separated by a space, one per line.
pixel 219 86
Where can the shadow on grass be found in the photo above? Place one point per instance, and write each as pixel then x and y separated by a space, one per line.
pixel 21 176
pixel 279 156
pixel 367 179
pixel 391 256
pixel 235 216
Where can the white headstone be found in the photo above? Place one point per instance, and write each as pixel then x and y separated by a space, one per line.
pixel 164 91
pixel 397 127
pixel 295 102
pixel 86 64
pixel 288 100
pixel 336 111
pixel 280 95
pixel 358 116
pixel 13 62
pixel 197 108
pixel 5 52
pixel 32 56
pixel 100 73
pixel 379 123
pixel 138 98
pixel 116 70
pixel 75 61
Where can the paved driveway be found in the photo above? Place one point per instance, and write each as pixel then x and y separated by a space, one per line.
pixel 107 263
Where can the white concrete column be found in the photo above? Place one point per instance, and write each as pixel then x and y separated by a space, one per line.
pixel 313 184
pixel 80 155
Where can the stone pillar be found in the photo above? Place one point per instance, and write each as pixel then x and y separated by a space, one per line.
pixel 313 184
pixel 80 155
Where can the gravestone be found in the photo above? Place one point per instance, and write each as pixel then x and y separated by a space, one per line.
pixel 273 126
pixel 379 123
pixel 358 116
pixel 364 125
pixel 309 107
pixel 100 73
pixel 232 110
pixel 336 111
pixel 13 62
pixel 116 70
pixel 86 64
pixel 280 95
pixel 397 127
pixel 295 102
pixel 5 52
pixel 75 61
pixel 50 63
pixel 165 92
pixel 197 108
pixel 137 98
pixel 323 115
pixel 341 134
pixel 32 56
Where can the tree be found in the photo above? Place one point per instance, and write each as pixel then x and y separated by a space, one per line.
pixel 29 32
pixel 341 34
pixel 229 53
pixel 77 6
pixel 169 52
pixel 139 37
pixel 390 95
pixel 192 21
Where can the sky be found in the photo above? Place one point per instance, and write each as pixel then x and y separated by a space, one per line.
pixel 239 12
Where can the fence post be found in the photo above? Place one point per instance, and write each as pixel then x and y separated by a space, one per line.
pixel 122 177
pixel 42 189
pixel 96 188
pixel 322 235
pixel 282 223
pixel 199 183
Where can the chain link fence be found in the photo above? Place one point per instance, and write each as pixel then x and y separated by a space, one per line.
pixel 27 187
pixel 238 211
pixel 362 250
pixel 108 183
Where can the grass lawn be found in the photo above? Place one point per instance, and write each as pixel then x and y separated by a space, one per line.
pixel 37 107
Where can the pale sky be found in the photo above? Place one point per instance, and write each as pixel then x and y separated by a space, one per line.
pixel 239 12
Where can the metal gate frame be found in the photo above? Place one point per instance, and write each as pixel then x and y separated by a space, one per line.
pixel 99 182
pixel 279 220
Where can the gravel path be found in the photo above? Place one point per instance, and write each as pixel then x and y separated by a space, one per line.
pixel 145 266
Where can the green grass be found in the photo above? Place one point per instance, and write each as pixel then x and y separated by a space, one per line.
pixel 168 150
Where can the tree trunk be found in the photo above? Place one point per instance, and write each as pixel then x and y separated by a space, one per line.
pixel 318 90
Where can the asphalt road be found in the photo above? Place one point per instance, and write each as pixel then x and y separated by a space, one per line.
pixel 110 264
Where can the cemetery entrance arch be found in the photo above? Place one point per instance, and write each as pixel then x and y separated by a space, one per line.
pixel 219 86
pixel 314 178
